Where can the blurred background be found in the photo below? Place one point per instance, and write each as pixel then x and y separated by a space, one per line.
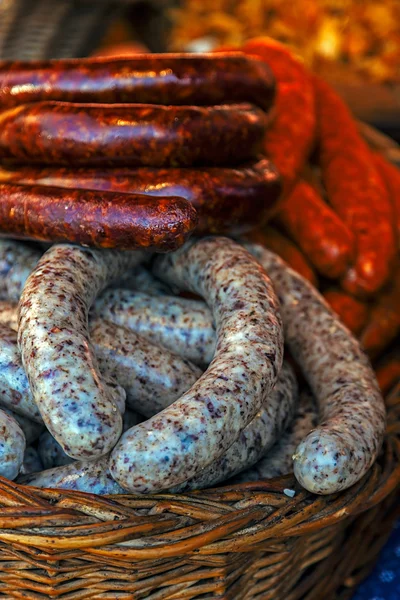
pixel 354 44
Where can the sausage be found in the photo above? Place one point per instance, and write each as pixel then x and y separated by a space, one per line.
pixel 257 438
pixel 98 219
pixel 51 453
pixel 195 430
pixel 200 79
pixel 346 443
pixel 152 377
pixel 274 240
pixel 81 476
pixel 12 446
pixel 352 312
pixel 388 370
pixel 291 136
pixel 384 319
pixel 77 408
pixel 17 260
pixel 32 462
pixel 356 193
pixel 9 314
pixel 30 429
pixel 391 177
pixel 133 135
pixel 140 279
pixel 227 200
pixel 183 326
pixel 278 461
pixel 327 243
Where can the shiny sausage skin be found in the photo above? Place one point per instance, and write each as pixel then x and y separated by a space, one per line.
pixel 391 177
pixel 195 430
pixel 274 240
pixel 12 446
pixel 227 200
pixel 352 312
pixel 327 243
pixel 384 319
pixel 356 192
pixel 346 443
pixel 77 407
pixel 183 326
pixel 152 377
pixel 17 260
pixel 199 79
pixel 132 135
pixel 257 438
pixel 278 461
pixel 95 219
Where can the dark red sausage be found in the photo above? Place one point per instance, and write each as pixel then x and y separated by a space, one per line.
pixel 90 218
pixel 391 176
pixel 62 133
pixel 388 370
pixel 352 312
pixel 200 79
pixel 227 200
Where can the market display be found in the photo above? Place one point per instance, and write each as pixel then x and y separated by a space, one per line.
pixel 136 360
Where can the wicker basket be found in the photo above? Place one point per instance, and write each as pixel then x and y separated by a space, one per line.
pixel 242 542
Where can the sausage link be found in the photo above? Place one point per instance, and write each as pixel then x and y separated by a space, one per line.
pixel 133 135
pixel 388 370
pixel 200 79
pixel 352 312
pixel 281 245
pixel 227 200
pixel 152 377
pixel 77 408
pixel 391 177
pixel 257 438
pixel 317 230
pixel 30 429
pixel 346 444
pixel 81 476
pixel 99 219
pixel 195 430
pixel 291 136
pixel 278 461
pixel 183 326
pixel 16 262
pixel 32 462
pixel 356 192
pixel 384 319
pixel 12 446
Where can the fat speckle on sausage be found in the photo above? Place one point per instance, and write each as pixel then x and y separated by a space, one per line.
pixel 12 446
pixel 346 443
pixel 186 437
pixel 59 361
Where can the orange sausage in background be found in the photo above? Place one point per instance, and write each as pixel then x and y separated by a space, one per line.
pixel 391 176
pixel 352 312
pixel 388 370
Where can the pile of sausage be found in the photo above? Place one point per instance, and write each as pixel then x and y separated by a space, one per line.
pixel 134 359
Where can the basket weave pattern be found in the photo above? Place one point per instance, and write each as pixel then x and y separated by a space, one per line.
pixel 248 541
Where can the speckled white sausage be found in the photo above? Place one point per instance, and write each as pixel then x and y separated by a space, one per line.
pixel 142 280
pixel 30 429
pixel 344 446
pixel 83 476
pixel 51 453
pixel 62 370
pixel 17 260
pixel 152 376
pixel 32 462
pixel 278 461
pixel 12 446
pixel 183 326
pixel 186 437
pixel 257 438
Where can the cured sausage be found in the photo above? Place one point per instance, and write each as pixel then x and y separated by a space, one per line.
pixel 278 461
pixel 76 406
pixel 195 430
pixel 353 418
pixel 257 438
pixel 200 79
pixel 352 312
pixel 12 446
pixel 17 260
pixel 98 219
pixel 133 135
pixel 227 200
pixel 388 369
pixel 391 177
pixel 317 230
pixel 356 193
pixel 183 326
